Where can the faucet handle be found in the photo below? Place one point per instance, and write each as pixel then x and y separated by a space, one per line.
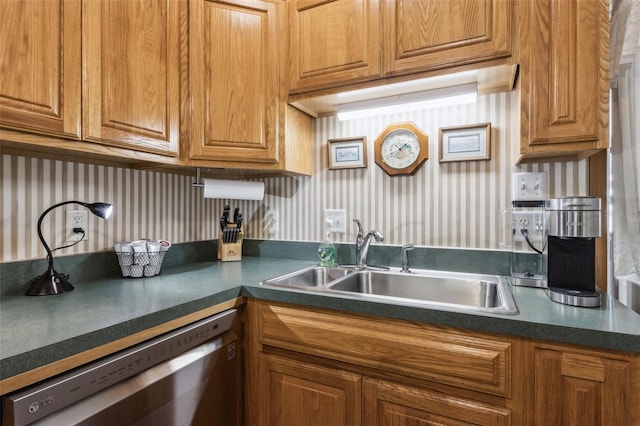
pixel 404 259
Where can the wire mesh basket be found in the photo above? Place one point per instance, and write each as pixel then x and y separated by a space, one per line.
pixel 140 264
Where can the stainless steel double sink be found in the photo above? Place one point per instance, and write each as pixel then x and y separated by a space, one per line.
pixel 427 288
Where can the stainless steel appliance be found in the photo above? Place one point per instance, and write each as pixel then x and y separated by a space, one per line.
pixel 191 376
pixel 574 224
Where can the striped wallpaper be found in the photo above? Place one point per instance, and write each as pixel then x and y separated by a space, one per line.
pixel 443 204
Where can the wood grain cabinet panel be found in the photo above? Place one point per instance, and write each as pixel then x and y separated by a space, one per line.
pixel 233 53
pixel 422 374
pixel 299 393
pixel 131 76
pixel 40 66
pixel 433 34
pixel 582 389
pixel 306 365
pixel 564 78
pixel 333 43
pixel 392 404
pixel 470 361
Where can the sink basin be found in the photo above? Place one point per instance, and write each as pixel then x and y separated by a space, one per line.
pixel 437 289
pixel 473 292
pixel 315 276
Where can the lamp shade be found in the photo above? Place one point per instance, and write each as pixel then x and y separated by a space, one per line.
pixel 102 210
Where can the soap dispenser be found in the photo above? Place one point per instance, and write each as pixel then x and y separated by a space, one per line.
pixel 327 251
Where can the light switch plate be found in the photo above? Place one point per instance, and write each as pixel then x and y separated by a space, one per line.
pixel 529 186
pixel 272 222
pixel 335 221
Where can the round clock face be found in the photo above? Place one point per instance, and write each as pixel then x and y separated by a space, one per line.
pixel 400 148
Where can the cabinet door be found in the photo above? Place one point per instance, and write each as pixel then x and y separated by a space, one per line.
pixel 333 42
pixel 131 93
pixel 433 34
pixel 299 393
pixel 565 77
pixel 392 404
pixel 577 389
pixel 233 51
pixel 40 66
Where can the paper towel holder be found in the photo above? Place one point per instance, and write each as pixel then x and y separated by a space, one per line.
pixel 198 183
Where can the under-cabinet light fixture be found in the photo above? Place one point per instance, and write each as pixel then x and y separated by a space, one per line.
pixel 435 98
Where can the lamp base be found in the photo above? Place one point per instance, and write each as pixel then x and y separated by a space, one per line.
pixel 51 282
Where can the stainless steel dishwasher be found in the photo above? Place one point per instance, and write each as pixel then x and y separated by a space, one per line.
pixel 190 376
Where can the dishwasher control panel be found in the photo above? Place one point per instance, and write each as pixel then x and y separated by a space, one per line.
pixel 34 403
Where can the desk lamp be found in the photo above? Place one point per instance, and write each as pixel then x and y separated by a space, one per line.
pixel 52 282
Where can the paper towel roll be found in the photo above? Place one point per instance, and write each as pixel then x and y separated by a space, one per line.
pixel 233 189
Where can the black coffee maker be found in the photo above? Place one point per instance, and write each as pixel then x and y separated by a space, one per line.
pixel 574 225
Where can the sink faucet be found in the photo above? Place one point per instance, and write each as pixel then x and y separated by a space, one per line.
pixel 362 244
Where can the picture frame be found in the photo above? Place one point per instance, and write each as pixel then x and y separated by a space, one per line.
pixel 347 153
pixel 465 143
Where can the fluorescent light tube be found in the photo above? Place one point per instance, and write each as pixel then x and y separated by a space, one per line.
pixel 455 95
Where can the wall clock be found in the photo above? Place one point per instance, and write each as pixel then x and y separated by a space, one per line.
pixel 401 149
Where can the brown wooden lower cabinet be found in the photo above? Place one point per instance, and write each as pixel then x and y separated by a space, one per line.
pixel 393 404
pixel 317 367
pixel 578 388
pixel 300 393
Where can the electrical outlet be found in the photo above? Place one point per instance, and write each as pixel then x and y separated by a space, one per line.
pixel 77 219
pixel 272 222
pixel 532 222
pixel 335 221
pixel 529 186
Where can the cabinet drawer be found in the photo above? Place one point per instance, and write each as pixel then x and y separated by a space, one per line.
pixel 441 354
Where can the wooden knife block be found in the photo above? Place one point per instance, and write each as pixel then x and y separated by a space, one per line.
pixel 230 252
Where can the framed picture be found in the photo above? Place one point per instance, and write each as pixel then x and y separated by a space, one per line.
pixel 465 143
pixel 347 153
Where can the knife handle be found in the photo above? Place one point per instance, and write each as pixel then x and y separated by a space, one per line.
pixel 239 221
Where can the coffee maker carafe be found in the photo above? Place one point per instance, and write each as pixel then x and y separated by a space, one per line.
pixel 574 224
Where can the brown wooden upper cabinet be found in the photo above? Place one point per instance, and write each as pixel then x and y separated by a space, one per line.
pixel 564 78
pixel 233 52
pixel 121 89
pixel 239 117
pixel 40 67
pixel 433 34
pixel 335 43
pixel 131 92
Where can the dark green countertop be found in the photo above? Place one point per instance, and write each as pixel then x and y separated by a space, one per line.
pixel 36 331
